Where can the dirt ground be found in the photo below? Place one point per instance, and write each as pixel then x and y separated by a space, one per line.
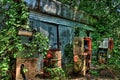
pixel 105 74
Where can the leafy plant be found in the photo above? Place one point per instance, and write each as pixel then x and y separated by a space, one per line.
pixel 94 73
pixel 40 42
pixel 15 18
pixel 56 73
pixel 68 53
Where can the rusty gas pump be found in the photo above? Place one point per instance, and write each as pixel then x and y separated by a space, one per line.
pixel 82 54
pixel 52 61
pixel 28 67
pixel 105 50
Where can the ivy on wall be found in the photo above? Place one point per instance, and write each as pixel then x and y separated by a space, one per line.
pixel 107 13
pixel 15 18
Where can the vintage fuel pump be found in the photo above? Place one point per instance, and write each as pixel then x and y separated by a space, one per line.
pixel 52 60
pixel 28 67
pixel 34 65
pixel 82 54
pixel 105 50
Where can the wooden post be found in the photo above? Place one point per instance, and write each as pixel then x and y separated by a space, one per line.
pixel 84 66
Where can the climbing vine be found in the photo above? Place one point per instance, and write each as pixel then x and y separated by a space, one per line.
pixel 107 25
pixel 56 73
pixel 14 17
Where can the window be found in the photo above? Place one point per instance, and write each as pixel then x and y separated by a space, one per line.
pixel 49 30
pixel 65 36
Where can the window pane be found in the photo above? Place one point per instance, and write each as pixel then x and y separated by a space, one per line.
pixel 65 36
pixel 49 30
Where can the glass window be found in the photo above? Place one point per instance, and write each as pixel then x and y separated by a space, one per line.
pixel 31 3
pixel 65 36
pixel 49 30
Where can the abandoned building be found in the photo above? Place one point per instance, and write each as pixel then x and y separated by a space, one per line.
pixel 57 21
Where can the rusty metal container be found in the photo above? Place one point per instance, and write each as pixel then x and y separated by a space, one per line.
pixel 53 58
pixel 26 68
pixel 82 54
pixel 111 43
pixel 88 43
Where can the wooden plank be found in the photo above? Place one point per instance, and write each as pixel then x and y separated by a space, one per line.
pixel 25 33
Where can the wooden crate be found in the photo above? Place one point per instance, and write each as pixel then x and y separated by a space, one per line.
pixel 82 55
